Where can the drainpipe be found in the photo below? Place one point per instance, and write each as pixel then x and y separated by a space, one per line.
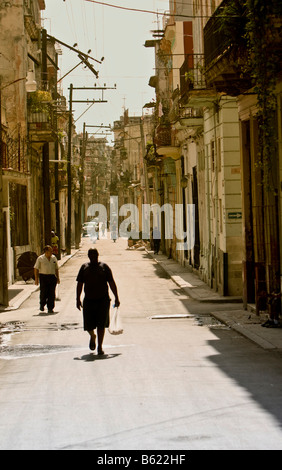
pixel 208 211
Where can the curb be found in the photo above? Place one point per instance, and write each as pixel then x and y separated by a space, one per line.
pixel 29 289
pixel 244 331
pixel 207 295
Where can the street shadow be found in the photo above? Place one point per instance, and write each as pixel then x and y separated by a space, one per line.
pixel 46 314
pixel 13 293
pixel 159 270
pixel 91 357
pixel 254 369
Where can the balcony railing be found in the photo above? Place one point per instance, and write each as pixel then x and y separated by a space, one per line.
pixel 14 154
pixel 163 136
pixel 190 113
pixel 222 31
pixel 42 123
pixel 226 49
pixel 192 73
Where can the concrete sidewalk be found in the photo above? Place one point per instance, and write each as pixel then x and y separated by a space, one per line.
pixel 245 322
pixel 21 290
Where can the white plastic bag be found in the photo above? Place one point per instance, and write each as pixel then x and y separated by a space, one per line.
pixel 115 327
pixel 57 295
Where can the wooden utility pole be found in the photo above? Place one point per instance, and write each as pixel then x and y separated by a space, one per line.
pixel 57 193
pixel 45 154
pixel 71 101
pixel 46 194
pixel 147 192
pixel 68 238
pixel 44 72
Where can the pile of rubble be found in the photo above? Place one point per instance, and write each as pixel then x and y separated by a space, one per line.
pixel 138 245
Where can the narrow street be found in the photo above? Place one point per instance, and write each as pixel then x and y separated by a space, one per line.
pixel 165 383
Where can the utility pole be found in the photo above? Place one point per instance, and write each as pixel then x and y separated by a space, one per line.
pixel 81 188
pixel 57 194
pixel 80 205
pixel 144 162
pixel 100 127
pixel 45 154
pixel 71 101
pixel 44 72
pixel 46 193
pixel 68 238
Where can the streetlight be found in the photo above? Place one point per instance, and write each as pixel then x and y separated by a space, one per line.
pixel 30 84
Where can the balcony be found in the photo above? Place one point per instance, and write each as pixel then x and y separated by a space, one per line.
pixel 225 49
pixel 14 155
pixel 193 87
pixel 192 73
pixel 163 136
pixel 41 125
pixel 164 142
pixel 189 118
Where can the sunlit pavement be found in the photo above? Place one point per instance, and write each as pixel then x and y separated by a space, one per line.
pixel 170 381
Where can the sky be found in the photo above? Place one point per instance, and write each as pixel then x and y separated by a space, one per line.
pixel 118 36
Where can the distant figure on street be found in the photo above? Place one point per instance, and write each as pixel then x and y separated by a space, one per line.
pixel 55 243
pixel 46 272
pixel 103 229
pixel 274 303
pixel 95 276
pixel 156 240
pixel 114 233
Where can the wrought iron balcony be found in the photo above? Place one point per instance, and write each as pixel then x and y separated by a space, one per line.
pixel 165 142
pixel 191 117
pixel 41 124
pixel 225 48
pixel 14 154
pixel 192 73
pixel 163 136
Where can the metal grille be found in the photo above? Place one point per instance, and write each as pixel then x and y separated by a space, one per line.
pixel 14 154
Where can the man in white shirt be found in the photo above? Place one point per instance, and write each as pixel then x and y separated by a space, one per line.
pixel 46 272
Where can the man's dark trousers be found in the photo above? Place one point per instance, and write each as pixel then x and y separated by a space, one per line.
pixel 48 284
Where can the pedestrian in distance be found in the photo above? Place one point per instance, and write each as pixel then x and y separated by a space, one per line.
pixel 46 273
pixel 95 276
pixel 156 240
pixel 274 302
pixel 55 243
pixel 114 233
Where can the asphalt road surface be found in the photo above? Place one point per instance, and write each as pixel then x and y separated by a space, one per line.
pixel 175 379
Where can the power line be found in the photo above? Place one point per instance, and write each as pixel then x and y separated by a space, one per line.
pixel 125 8
pixel 156 12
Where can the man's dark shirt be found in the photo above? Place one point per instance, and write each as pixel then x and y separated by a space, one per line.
pixel 95 278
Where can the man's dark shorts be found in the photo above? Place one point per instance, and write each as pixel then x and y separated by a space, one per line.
pixel 96 313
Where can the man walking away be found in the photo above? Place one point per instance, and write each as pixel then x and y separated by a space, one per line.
pixel 95 276
pixel 46 272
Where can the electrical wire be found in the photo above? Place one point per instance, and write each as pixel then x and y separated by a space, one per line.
pixel 69 15
pixel 124 8
pixel 155 12
pixel 85 25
